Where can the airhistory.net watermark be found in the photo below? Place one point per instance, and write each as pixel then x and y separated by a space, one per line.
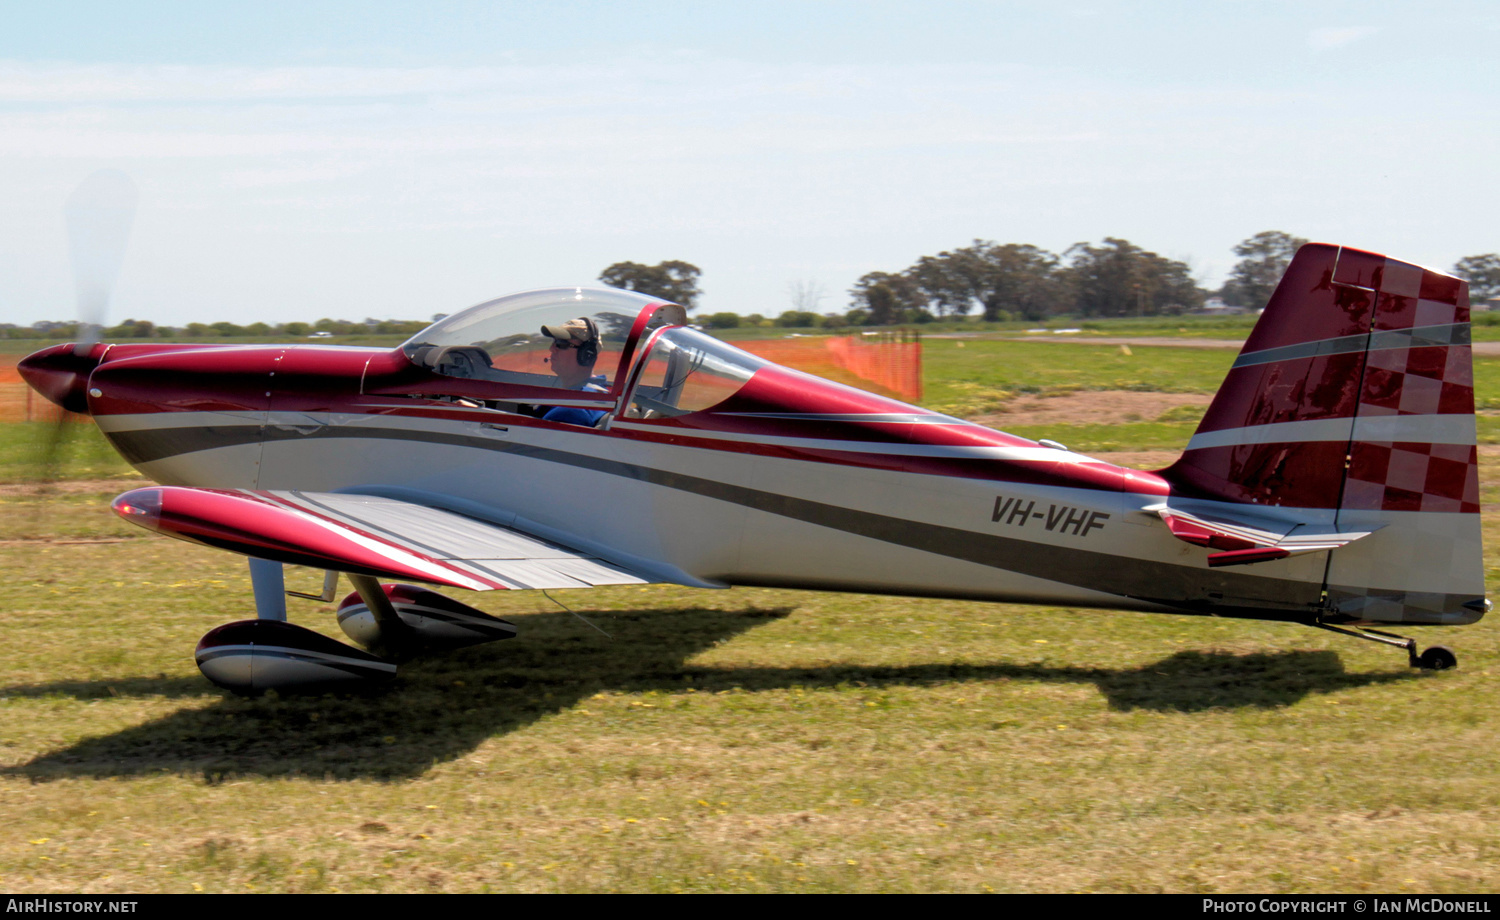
pixel 67 906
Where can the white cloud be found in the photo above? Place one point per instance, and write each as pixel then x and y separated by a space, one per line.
pixel 626 111
pixel 34 82
pixel 1324 39
pixel 297 191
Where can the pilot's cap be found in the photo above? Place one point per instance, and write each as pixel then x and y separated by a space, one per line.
pixel 576 331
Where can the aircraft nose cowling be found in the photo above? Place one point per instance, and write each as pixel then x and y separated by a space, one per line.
pixel 61 374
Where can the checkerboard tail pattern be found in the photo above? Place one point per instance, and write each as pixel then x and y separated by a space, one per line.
pixel 1418 363
pixel 1353 400
pixel 1413 464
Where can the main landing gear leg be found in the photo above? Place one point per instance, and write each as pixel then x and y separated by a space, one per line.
pixel 397 640
pixel 268 653
pixel 1436 658
pixel 269 585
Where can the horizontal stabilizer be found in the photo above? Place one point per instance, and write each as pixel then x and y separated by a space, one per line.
pixel 1246 556
pixel 367 535
pixel 1245 540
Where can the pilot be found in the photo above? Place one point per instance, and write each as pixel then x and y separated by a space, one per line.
pixel 575 348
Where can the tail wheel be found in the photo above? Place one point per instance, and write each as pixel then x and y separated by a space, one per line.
pixel 1437 658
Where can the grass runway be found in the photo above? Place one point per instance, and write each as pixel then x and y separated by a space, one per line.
pixel 741 740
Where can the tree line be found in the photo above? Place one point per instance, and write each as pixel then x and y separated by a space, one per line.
pixel 145 329
pixel 1112 279
pixel 1001 281
pixel 1017 281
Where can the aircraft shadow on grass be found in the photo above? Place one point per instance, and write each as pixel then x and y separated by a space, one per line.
pixel 444 707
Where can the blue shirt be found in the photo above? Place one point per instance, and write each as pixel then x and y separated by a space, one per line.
pixel 577 415
pixel 574 415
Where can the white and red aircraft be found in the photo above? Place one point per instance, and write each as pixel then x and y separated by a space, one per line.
pixel 569 438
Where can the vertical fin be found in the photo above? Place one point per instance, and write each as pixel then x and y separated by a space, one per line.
pixel 1278 429
pixel 1353 402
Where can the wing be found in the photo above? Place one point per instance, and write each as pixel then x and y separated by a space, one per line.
pixel 368 535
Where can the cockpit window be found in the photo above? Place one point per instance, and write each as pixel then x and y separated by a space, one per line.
pixel 688 371
pixel 503 341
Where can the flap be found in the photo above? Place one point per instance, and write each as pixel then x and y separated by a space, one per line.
pixel 368 535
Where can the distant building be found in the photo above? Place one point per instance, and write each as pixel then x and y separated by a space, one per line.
pixel 1215 306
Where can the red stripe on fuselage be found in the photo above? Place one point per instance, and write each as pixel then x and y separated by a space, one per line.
pixel 325 379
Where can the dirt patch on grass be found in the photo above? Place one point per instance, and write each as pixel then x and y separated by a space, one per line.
pixel 69 487
pixel 1139 459
pixel 1092 407
pixel 30 536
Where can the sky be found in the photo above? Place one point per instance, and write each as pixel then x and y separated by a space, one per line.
pixel 396 160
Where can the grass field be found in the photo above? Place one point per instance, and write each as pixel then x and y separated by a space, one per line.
pixel 741 740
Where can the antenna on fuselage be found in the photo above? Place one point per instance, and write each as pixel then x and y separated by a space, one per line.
pixel 575 613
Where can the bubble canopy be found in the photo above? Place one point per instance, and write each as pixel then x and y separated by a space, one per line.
pixel 502 339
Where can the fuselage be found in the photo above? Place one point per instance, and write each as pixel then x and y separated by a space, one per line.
pixel 790 481
pixel 1333 479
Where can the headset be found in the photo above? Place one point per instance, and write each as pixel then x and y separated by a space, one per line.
pixel 588 352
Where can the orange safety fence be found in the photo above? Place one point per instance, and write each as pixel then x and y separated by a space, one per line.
pixel 535 360
pixel 889 363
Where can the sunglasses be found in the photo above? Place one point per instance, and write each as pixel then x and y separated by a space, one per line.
pixel 560 345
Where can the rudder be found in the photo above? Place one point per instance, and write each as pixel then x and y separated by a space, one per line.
pixel 1353 402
